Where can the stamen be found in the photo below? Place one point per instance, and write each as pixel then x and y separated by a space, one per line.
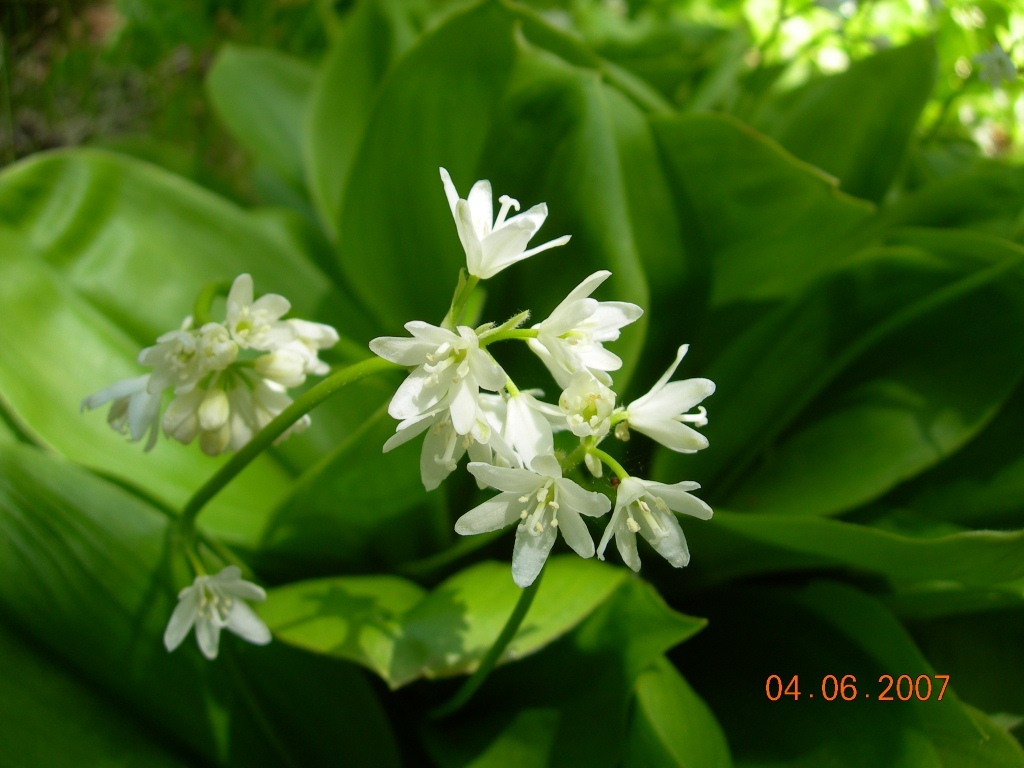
pixel 506 203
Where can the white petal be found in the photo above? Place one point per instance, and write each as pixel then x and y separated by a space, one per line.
pixel 611 316
pixel 469 239
pixel 492 515
pixel 597 358
pixel 486 370
pixel 415 395
pixel 590 503
pixel 463 406
pixel 208 635
pixel 431 333
pixel 122 388
pixel 503 247
pixel 434 468
pixel 678 498
pixel 410 428
pixel 680 354
pixel 402 350
pixel 629 491
pixel 609 529
pixel 575 532
pixel 518 481
pixel 244 590
pixel 557 371
pixel 671 543
pixel 672 399
pixel 671 434
pixel 530 553
pixel 244 622
pixel 481 207
pixel 547 466
pixel 273 306
pixel 449 190
pixel 558 241
pixel 530 219
pixel 182 619
pixel 527 430
pixel 240 294
pixel 625 541
pixel 568 316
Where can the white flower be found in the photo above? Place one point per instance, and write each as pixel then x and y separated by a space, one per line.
pixel 132 407
pixel 287 365
pixel 661 412
pixel 257 324
pixel 543 502
pixel 572 336
pixel 175 361
pixel 995 66
pixel 313 337
pixel 217 350
pixel 587 405
pixel 492 246
pixel 213 603
pixel 645 507
pixel 527 426
pixel 451 369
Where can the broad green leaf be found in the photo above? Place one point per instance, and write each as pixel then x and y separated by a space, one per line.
pixel 850 389
pixel 671 726
pixel 50 718
pixel 763 223
pixel 988 198
pixel 732 545
pixel 557 138
pixel 397 238
pixel 856 125
pixel 560 694
pixel 261 96
pixel 981 652
pixel 106 254
pixel 358 509
pixel 91 573
pixel 388 625
pixel 821 630
pixel 343 94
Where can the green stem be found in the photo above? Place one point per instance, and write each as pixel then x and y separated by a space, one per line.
pixel 201 311
pixel 465 693
pixel 262 440
pixel 573 460
pixel 515 333
pixel 613 465
pixel 462 294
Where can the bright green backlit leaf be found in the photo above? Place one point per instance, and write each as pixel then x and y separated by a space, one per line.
pixel 390 626
pixel 856 125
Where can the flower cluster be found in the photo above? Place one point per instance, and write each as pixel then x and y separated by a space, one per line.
pixel 229 379
pixel 461 397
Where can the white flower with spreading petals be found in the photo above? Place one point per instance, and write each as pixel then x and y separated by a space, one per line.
pixel 257 324
pixel 542 502
pixel 661 413
pixel 645 507
pixel 214 603
pixel 133 408
pixel 587 405
pixel 175 360
pixel 572 337
pixel 451 369
pixel 492 245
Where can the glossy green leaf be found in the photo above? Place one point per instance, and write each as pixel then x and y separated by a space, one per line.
pixel 732 545
pixel 981 651
pixel 50 718
pixel 434 110
pixel 761 222
pixel 856 125
pixel 548 706
pixel 261 96
pixel 821 630
pixel 343 94
pixel 988 198
pixel 338 519
pixel 103 255
pixel 388 625
pixel 850 389
pixel 671 726
pixel 91 573
pixel 557 137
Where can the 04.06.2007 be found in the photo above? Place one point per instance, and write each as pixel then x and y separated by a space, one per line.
pixel 901 688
